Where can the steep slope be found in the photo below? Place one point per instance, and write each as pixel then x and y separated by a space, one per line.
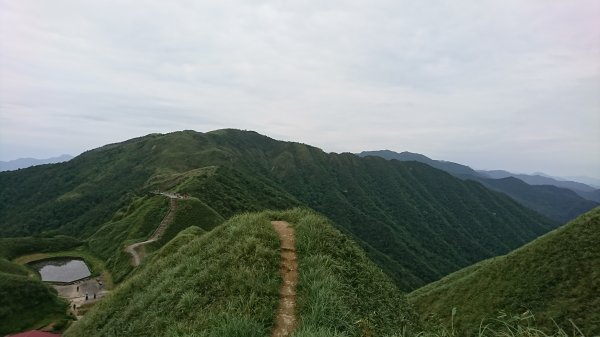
pixel 137 221
pixel 190 212
pixel 557 203
pixel 225 283
pixel 557 277
pixel 340 290
pixel 131 224
pixel 416 222
pixel 221 282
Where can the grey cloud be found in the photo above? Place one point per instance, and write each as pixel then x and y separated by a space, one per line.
pixel 461 80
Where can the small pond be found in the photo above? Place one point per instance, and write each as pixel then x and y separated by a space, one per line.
pixel 61 270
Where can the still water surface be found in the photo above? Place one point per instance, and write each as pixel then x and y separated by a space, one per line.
pixel 62 270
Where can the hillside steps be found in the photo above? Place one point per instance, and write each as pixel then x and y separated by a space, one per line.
pixel 286 321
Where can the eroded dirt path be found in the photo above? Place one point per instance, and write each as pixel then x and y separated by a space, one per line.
pixel 132 249
pixel 286 316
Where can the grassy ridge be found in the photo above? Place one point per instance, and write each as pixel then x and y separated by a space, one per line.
pixel 557 277
pixel 227 191
pixel 132 224
pixel 340 291
pixel 191 212
pixel 136 222
pixel 221 283
pixel 225 283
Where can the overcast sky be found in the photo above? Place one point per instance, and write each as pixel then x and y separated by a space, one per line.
pixel 512 84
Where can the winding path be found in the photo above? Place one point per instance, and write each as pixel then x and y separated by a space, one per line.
pixel 286 317
pixel 160 230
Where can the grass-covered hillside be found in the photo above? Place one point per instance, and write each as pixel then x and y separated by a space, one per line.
pixel 225 283
pixel 340 291
pixel 414 221
pixel 131 224
pixel 191 212
pixel 17 246
pixel 556 277
pixel 25 301
pixel 227 190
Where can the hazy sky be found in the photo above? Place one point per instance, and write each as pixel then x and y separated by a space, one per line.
pixel 511 84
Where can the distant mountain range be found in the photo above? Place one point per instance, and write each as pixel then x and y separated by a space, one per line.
pixel 558 200
pixel 20 163
pixel 538 179
pixel 594 182
pixel 585 191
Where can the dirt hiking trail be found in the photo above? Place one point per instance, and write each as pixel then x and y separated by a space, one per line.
pixel 136 256
pixel 286 317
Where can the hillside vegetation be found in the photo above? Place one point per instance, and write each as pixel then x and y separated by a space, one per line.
pixel 229 192
pixel 556 277
pixel 225 283
pixel 26 301
pixel 340 291
pixel 191 212
pixel 17 246
pixel 131 224
pixel 415 222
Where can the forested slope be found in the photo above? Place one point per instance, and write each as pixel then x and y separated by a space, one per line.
pixel 558 203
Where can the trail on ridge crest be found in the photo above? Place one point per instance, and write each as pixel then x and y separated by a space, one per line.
pixel 286 317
